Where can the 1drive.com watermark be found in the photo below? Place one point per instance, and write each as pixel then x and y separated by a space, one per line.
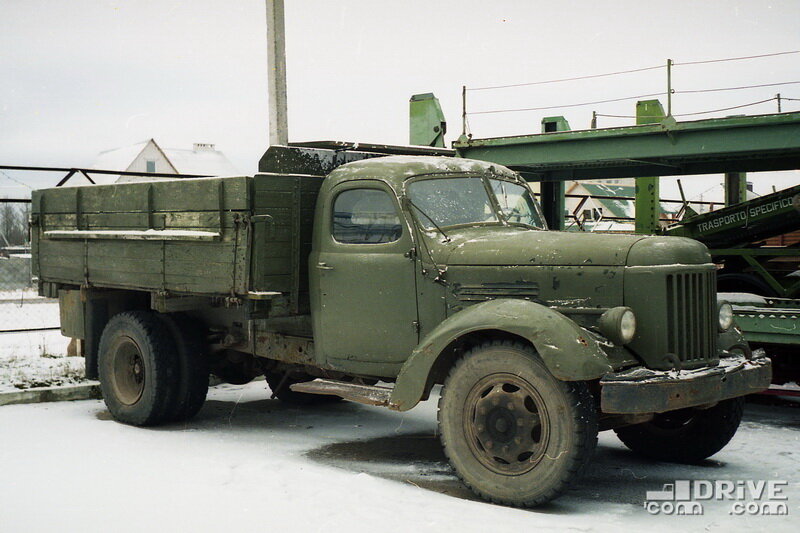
pixel 746 497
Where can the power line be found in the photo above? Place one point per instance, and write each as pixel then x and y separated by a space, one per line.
pixel 564 106
pixel 630 71
pixel 694 91
pixel 701 112
pixel 736 58
pixel 726 108
pixel 565 79
pixel 16 180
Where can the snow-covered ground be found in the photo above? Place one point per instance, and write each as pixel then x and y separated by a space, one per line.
pixel 37 359
pixel 24 309
pixel 33 358
pixel 250 463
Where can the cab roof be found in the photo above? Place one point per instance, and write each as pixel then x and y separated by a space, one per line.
pixel 398 168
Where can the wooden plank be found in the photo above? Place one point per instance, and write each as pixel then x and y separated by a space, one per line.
pixel 199 194
pixel 61 200
pixel 271 198
pixel 60 221
pixel 134 235
pixel 201 251
pixel 129 197
pixel 279 283
pixel 115 276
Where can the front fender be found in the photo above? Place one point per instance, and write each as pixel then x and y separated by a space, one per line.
pixel 566 349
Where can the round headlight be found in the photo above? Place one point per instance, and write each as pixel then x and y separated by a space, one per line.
pixel 725 316
pixel 618 325
pixel 627 326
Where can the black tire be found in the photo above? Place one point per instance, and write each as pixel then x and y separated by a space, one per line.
pixel 280 389
pixel 138 368
pixel 492 449
pixel 687 435
pixel 742 282
pixel 193 372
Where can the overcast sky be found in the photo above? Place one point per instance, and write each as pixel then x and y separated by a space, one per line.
pixel 79 77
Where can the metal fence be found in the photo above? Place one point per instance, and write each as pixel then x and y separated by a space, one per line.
pixel 21 308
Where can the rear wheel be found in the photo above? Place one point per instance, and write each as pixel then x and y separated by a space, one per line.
pixel 192 375
pixel 138 367
pixel 515 434
pixel 687 435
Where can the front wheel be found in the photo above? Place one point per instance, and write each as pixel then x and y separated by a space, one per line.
pixel 687 435
pixel 514 433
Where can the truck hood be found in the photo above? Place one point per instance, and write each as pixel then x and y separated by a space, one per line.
pixel 501 245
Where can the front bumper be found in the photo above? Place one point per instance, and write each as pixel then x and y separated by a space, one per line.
pixel 641 390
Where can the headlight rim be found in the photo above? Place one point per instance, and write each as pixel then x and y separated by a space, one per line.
pixel 611 325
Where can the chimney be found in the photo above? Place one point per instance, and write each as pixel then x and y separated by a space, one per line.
pixel 203 147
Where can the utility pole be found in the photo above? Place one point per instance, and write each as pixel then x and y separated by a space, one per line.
pixel 276 63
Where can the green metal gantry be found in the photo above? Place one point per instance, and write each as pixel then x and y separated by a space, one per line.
pixel 553 193
pixel 730 145
pixel 648 189
pixel 656 146
pixel 669 148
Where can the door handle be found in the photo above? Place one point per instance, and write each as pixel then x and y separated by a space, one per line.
pixel 324 266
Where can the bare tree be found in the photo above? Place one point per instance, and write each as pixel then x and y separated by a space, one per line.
pixel 13 224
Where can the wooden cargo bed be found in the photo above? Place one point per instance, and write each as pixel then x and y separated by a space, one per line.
pixel 206 236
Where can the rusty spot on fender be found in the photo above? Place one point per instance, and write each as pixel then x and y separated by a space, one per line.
pixel 583 341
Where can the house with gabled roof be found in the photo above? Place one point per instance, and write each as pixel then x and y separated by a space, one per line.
pixel 148 157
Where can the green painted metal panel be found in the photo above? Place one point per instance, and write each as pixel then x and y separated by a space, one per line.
pixel 760 218
pixel 427 125
pixel 778 326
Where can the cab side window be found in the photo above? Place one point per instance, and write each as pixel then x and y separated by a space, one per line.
pixel 365 216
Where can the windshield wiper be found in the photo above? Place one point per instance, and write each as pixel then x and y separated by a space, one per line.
pixel 423 213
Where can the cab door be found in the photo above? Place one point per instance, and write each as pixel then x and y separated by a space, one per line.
pixel 365 306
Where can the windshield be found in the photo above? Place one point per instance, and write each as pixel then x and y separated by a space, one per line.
pixel 465 200
pixel 516 203
pixel 452 201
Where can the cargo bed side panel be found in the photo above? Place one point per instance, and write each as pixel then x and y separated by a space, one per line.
pixel 181 235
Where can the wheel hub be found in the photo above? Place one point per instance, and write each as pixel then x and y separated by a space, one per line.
pixel 501 425
pixel 129 372
pixel 506 424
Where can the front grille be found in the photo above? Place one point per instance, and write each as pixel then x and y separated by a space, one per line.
pixel 691 316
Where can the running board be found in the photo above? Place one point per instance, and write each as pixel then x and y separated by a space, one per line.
pixel 368 394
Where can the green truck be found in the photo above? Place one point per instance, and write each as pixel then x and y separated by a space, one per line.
pixel 376 273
